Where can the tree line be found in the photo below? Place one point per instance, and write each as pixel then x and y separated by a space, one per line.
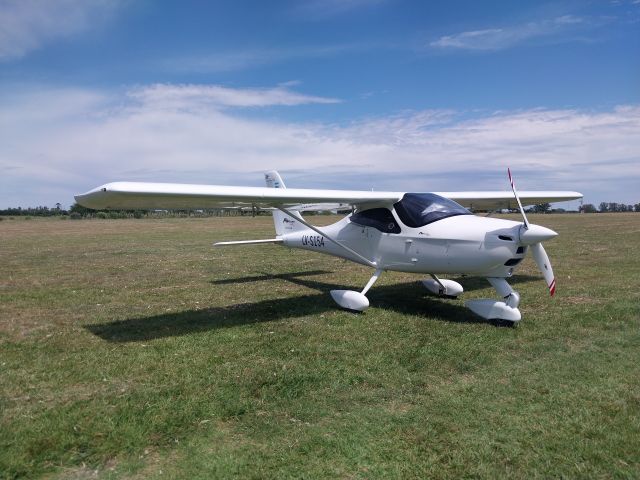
pixel 77 212
pixel 609 207
pixel 34 211
pixel 605 207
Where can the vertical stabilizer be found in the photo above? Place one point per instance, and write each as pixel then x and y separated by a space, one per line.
pixel 281 221
pixel 274 180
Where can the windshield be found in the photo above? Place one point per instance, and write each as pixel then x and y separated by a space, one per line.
pixel 419 209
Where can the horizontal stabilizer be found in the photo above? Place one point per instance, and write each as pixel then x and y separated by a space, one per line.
pixel 248 242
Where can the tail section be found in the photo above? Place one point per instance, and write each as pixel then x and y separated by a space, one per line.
pixel 282 222
pixel 274 180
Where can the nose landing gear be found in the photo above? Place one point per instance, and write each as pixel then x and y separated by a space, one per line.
pixel 495 309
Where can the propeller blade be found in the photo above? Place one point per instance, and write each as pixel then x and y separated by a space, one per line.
pixel 536 234
pixel 544 265
pixel 515 194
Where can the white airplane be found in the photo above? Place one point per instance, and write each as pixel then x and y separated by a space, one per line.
pixel 427 233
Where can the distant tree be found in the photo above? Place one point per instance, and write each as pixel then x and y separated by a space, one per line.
pixel 604 207
pixel 629 208
pixel 80 210
pixel 542 208
pixel 58 206
pixel 636 207
pixel 588 208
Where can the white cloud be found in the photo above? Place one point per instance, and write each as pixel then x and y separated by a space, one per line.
pixel 68 141
pixel 207 96
pixel 506 37
pixel 26 25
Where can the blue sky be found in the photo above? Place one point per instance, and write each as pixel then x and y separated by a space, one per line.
pixel 383 94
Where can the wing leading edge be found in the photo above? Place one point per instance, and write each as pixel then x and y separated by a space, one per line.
pixel 141 195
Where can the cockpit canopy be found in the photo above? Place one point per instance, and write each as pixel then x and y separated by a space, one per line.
pixel 419 209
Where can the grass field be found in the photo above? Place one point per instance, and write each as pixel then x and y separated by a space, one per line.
pixel 133 349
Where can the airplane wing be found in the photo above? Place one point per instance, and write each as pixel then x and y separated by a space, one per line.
pixel 137 195
pixel 505 199
pixel 141 195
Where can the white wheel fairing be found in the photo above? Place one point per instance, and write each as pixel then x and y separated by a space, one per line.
pixel 350 299
pixel 451 288
pixel 493 310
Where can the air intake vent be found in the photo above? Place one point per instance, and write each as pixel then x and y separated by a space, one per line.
pixel 506 238
pixel 512 262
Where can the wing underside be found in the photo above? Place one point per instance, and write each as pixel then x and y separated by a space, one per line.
pixel 138 195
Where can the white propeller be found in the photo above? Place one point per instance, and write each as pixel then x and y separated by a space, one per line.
pixel 534 235
pixel 542 260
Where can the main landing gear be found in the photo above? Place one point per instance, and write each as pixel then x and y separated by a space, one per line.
pixel 352 300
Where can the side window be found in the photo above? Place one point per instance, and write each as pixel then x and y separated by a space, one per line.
pixel 378 218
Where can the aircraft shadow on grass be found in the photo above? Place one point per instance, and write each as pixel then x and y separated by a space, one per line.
pixel 407 297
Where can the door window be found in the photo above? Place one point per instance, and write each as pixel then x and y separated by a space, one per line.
pixel 378 218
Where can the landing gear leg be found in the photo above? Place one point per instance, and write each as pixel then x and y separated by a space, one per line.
pixel 494 309
pixel 352 300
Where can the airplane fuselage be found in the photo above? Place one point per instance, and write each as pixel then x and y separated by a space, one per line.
pixel 464 244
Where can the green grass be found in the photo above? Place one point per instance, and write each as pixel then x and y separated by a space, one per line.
pixel 133 349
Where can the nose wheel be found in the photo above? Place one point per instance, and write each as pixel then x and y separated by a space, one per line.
pixel 506 310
